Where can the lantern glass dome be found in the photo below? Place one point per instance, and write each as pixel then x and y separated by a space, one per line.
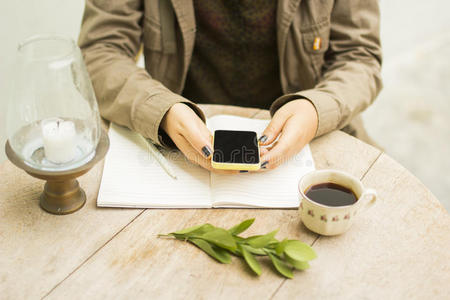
pixel 53 121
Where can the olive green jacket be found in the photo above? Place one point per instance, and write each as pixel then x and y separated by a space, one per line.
pixel 329 53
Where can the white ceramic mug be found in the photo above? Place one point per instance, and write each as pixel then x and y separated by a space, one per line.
pixel 332 220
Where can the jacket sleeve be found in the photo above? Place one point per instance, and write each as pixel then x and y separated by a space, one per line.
pixel 110 40
pixel 351 76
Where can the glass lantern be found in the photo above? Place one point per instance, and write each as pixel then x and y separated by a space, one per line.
pixel 53 122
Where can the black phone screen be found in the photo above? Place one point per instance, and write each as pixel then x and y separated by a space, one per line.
pixel 231 146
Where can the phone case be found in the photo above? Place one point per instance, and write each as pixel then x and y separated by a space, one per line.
pixel 235 166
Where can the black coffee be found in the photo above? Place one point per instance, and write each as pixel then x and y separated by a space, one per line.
pixel 331 194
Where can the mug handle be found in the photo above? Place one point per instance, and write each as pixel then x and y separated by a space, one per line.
pixel 369 197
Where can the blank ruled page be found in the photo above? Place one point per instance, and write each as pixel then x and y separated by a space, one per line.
pixel 272 189
pixel 133 178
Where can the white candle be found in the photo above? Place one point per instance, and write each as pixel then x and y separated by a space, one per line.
pixel 59 140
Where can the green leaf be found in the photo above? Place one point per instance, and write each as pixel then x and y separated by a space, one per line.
pixel 299 251
pixel 256 251
pixel 280 247
pixel 260 241
pixel 241 227
pixel 273 243
pixel 217 253
pixel 199 229
pixel 238 238
pixel 251 260
pixel 268 250
pixel 281 266
pixel 237 252
pixel 299 265
pixel 189 229
pixel 220 244
pixel 219 237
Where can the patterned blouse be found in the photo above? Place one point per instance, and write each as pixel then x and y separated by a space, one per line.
pixel 235 58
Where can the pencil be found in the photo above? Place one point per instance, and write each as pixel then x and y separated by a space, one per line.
pixel 159 157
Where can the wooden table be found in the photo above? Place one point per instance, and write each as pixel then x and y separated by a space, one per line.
pixel 398 249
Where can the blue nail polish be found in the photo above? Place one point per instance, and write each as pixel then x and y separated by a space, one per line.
pixel 243 171
pixel 206 151
pixel 263 138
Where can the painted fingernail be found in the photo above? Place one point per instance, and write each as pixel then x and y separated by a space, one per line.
pixel 206 151
pixel 264 165
pixel 243 171
pixel 263 138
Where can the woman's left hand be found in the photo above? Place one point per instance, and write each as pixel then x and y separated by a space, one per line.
pixel 296 124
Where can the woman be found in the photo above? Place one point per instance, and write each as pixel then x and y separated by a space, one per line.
pixel 315 64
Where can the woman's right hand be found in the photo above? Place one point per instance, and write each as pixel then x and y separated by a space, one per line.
pixel 189 134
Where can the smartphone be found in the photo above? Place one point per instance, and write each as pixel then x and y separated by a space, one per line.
pixel 235 150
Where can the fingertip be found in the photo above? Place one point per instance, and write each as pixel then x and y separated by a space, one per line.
pixel 263 139
pixel 206 150
pixel 269 136
pixel 263 151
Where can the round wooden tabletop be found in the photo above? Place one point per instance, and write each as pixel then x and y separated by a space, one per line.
pixel 397 249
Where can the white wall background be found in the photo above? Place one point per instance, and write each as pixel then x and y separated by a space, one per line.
pixel 410 118
pixel 20 19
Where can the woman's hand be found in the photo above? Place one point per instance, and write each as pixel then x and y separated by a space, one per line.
pixel 296 124
pixel 189 134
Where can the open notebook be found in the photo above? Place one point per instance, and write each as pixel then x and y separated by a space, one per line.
pixel 133 178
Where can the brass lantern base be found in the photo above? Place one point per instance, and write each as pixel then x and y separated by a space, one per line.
pixel 62 193
pixel 62 197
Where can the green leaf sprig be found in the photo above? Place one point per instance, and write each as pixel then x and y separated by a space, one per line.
pixel 220 244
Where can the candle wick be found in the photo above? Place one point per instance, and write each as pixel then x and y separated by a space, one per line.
pixel 57 123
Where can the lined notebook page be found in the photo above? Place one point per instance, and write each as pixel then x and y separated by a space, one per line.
pixel 274 188
pixel 271 189
pixel 133 178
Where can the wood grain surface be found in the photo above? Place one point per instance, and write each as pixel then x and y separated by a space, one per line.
pixel 397 249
